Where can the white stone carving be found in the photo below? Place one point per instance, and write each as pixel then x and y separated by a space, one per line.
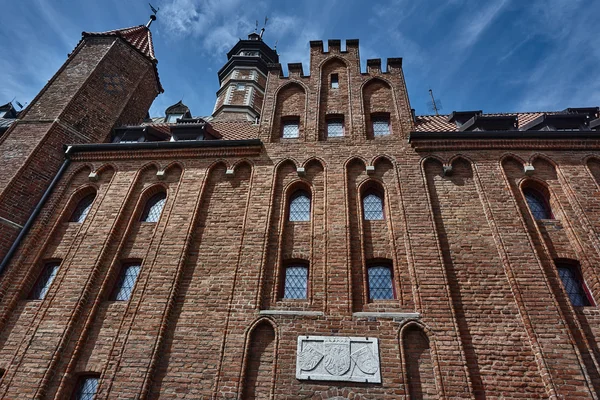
pixel 334 358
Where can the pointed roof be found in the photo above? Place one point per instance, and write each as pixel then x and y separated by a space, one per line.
pixel 139 37
pixel 178 108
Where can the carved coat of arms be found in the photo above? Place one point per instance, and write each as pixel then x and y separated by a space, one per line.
pixel 309 358
pixel 336 355
pixel 365 360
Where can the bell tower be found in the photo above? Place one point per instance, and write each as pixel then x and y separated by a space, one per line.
pixel 110 79
pixel 243 79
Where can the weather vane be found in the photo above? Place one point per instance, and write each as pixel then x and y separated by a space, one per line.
pixel 153 16
pixel 262 31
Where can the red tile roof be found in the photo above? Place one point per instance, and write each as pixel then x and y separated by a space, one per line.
pixel 230 130
pixel 139 37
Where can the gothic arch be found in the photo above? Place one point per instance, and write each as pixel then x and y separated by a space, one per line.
pixel 288 97
pixel 421 366
pixel 260 361
pixel 378 100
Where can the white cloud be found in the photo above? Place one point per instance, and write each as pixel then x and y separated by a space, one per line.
pixel 477 22
pixel 567 75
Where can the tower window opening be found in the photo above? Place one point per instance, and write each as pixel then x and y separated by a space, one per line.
pixel 291 128
pixel 381 125
pixel 240 86
pixel 335 83
pixel 335 127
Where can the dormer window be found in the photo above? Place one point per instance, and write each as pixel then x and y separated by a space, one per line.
pixel 249 53
pixel 172 118
pixel 180 137
pixel 2 114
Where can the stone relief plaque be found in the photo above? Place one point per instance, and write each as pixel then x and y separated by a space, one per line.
pixel 334 358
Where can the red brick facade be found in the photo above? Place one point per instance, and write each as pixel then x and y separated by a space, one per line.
pixel 479 309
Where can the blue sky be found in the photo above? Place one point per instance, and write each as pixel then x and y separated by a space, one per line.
pixel 494 55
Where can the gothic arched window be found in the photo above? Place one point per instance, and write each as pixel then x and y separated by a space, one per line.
pixel 538 204
pixel 372 206
pixel 300 206
pixel 83 208
pixel 154 207
pixel 572 281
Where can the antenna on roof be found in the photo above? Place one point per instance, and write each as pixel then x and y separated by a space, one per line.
pixel 434 105
pixel 153 16
pixel 275 47
pixel 256 26
pixel 262 31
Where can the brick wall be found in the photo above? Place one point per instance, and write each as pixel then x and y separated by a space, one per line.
pixel 480 310
pixel 103 83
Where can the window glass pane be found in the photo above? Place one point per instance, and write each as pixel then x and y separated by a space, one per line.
pixel 154 207
pixel 300 207
pixel 88 386
pixel 573 286
pixel 373 207
pixel 83 208
pixel 296 282
pixel 381 126
pixel 335 84
pixel 335 128
pixel 290 129
pixel 126 282
pixel 537 204
pixel 44 281
pixel 380 283
pixel 172 118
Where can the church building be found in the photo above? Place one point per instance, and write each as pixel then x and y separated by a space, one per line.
pixel 311 239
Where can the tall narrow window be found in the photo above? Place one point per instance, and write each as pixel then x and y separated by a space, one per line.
pixel 381 125
pixel 83 208
pixel 87 386
pixel 126 282
pixel 154 207
pixel 574 285
pixel 372 206
pixel 538 204
pixel 380 282
pixel 300 206
pixel 44 281
pixel 291 129
pixel 335 127
pixel 296 282
pixel 335 83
